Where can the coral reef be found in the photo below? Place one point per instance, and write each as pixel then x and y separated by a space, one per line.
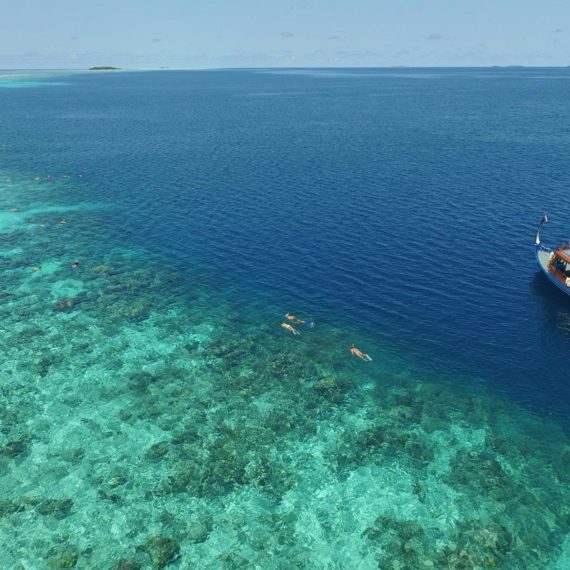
pixel 150 419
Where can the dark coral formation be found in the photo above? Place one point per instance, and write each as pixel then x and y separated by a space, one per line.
pixel 63 558
pixel 57 508
pixel 161 550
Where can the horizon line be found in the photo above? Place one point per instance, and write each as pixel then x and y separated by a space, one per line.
pixel 168 68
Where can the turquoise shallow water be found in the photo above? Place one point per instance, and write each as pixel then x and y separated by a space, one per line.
pixel 13 79
pixel 155 415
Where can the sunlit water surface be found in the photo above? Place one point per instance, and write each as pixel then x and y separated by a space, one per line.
pixel 154 413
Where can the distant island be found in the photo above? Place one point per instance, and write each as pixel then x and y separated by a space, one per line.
pixel 103 68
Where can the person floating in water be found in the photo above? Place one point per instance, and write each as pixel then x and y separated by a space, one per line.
pixel 289 328
pixel 294 319
pixel 74 264
pixel 37 268
pixel 63 221
pixel 356 352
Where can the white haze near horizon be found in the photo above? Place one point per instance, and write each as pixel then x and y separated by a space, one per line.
pixel 65 34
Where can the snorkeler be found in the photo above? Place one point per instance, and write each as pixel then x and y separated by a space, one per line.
pixel 294 319
pixel 63 221
pixel 356 352
pixel 37 268
pixel 289 328
pixel 74 264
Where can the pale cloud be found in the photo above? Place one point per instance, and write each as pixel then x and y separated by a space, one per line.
pixel 286 35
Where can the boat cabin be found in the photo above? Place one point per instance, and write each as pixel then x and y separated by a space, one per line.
pixel 559 263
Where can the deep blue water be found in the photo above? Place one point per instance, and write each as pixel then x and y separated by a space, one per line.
pixel 400 202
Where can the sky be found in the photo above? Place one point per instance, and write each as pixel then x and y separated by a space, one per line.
pixel 75 34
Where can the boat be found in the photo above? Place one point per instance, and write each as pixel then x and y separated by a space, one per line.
pixel 555 263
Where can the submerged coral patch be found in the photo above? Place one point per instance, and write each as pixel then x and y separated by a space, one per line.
pixel 151 420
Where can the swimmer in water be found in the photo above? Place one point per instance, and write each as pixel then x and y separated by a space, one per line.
pixel 294 319
pixel 74 264
pixel 14 209
pixel 289 328
pixel 358 353
pixel 61 222
pixel 38 268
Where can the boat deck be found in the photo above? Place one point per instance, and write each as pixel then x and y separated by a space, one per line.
pixel 564 254
pixel 559 278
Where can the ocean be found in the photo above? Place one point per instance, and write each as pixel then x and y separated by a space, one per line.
pixel 154 413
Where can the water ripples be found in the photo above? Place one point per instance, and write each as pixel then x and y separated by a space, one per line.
pixel 404 207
